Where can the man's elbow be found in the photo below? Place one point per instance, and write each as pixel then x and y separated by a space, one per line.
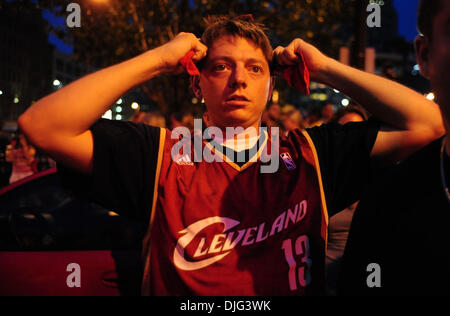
pixel 428 130
pixel 435 129
pixel 24 124
pixel 423 135
pixel 439 130
pixel 30 128
pixel 435 122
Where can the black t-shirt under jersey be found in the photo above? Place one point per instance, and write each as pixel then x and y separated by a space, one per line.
pixel 125 156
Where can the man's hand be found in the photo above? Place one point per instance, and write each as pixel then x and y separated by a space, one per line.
pixel 315 60
pixel 172 52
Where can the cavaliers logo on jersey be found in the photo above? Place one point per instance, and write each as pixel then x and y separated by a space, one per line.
pixel 288 161
pixel 204 251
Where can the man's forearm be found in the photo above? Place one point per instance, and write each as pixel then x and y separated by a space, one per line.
pixel 74 108
pixel 395 104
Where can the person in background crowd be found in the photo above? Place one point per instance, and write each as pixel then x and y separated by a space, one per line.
pixel 327 113
pixel 150 118
pixel 313 118
pixel 138 117
pixel 271 116
pixel 22 156
pixel 351 113
pixel 5 167
pixel 154 119
pixel 291 119
pixel 184 119
pixel 44 162
pixel 398 241
pixel 389 72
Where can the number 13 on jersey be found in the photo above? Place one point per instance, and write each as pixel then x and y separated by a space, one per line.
pixel 303 272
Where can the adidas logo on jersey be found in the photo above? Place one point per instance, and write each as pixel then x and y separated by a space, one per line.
pixel 184 161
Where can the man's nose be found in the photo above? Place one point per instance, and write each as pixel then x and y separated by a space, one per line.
pixel 238 78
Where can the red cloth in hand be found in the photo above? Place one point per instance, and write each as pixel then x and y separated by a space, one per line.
pixel 297 76
pixel 189 65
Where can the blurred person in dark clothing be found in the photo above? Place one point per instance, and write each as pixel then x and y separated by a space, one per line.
pixel 339 224
pixel 313 118
pixel 398 242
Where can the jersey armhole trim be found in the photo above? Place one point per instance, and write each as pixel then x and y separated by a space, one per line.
pixel 162 138
pixel 147 240
pixel 322 191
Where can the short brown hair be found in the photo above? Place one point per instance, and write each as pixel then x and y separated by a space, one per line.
pixel 243 26
pixel 426 13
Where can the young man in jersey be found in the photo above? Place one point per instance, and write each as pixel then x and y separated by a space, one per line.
pixel 226 228
pixel 401 225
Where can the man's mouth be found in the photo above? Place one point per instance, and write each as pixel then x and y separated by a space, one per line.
pixel 237 98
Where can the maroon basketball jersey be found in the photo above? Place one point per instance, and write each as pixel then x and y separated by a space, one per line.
pixel 221 229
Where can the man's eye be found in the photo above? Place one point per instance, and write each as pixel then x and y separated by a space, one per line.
pixel 256 69
pixel 219 67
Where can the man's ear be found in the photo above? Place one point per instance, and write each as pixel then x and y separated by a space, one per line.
pixel 206 119
pixel 422 47
pixel 271 87
pixel 195 84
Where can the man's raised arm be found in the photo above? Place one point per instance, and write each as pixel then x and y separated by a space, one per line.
pixel 59 123
pixel 411 120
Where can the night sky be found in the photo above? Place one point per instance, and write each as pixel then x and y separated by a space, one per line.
pixel 406 14
pixel 407 17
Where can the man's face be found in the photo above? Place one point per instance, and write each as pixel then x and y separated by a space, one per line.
pixel 435 62
pixel 235 82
